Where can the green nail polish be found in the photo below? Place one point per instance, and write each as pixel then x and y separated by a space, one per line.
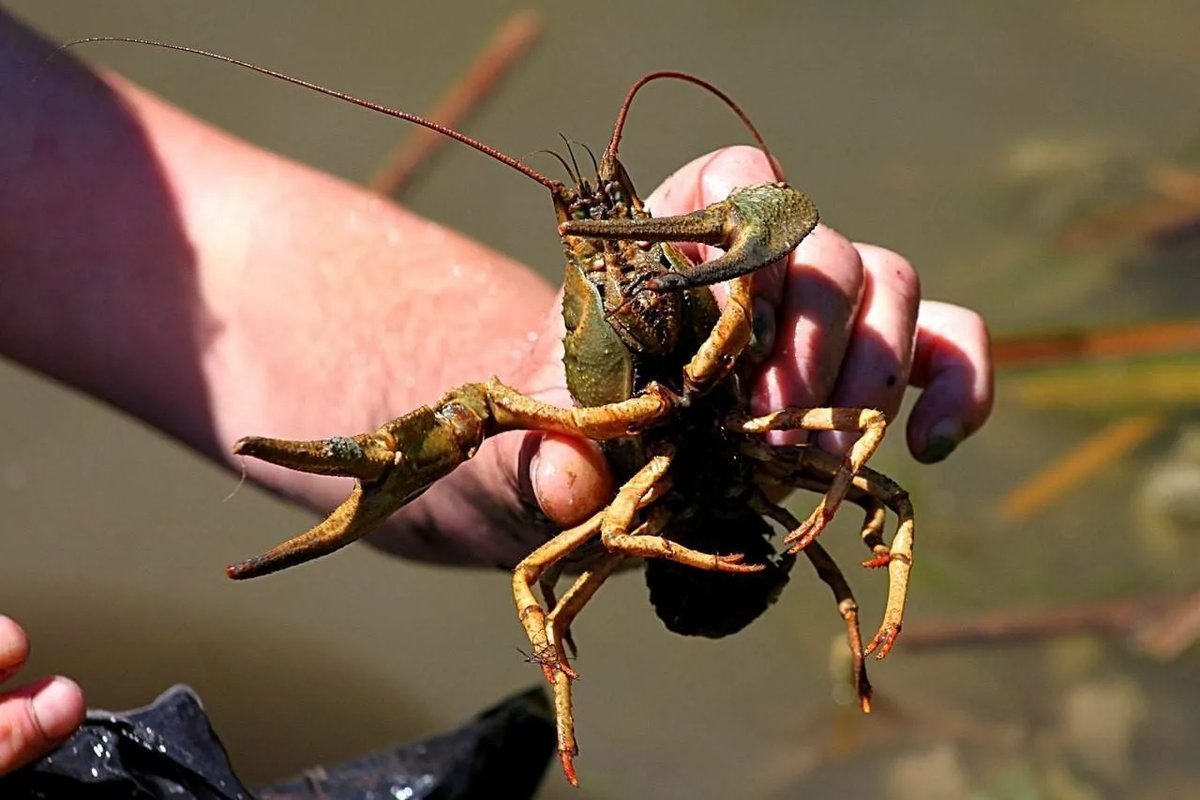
pixel 762 339
pixel 943 438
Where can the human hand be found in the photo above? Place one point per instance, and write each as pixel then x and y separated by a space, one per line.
pixel 849 326
pixel 37 717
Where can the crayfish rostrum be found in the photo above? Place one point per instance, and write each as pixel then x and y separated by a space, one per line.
pixel 659 372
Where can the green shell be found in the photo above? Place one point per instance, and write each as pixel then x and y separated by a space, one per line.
pixel 599 366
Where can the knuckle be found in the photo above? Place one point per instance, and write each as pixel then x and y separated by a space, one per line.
pixel 836 251
pixel 975 325
pixel 731 168
pixel 20 736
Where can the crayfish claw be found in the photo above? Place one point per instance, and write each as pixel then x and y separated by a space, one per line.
pixel 392 466
pixel 357 516
pixel 366 456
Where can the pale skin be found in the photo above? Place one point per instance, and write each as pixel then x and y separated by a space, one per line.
pixel 214 290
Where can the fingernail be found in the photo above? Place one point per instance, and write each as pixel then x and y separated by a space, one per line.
pixel 943 438
pixel 535 470
pixel 57 707
pixel 762 340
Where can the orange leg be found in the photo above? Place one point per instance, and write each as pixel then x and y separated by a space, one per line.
pixel 618 519
pixel 867 420
pixel 806 466
pixel 829 572
pixel 648 485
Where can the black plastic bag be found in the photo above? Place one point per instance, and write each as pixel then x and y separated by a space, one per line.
pixel 169 751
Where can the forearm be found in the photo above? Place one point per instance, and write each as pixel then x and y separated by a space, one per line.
pixel 214 289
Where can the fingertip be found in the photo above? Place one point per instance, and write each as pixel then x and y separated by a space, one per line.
pixel 948 411
pixel 14 646
pixel 570 478
pixel 680 192
pixel 710 179
pixel 58 708
pixel 953 363
pixel 933 443
pixel 37 717
pixel 736 168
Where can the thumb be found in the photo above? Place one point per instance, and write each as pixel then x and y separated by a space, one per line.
pixel 565 476
pixel 569 479
pixel 519 490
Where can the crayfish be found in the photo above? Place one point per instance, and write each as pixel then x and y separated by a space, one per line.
pixel 659 371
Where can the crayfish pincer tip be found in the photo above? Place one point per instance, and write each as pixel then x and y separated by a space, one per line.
pixel 263 448
pixel 240 571
pixel 244 446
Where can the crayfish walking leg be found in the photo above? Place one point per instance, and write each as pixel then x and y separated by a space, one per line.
pixel 614 531
pixel 546 632
pixel 810 467
pixel 868 421
pixel 829 572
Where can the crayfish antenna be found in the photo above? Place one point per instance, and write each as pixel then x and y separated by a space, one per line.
pixel 357 516
pixel 432 125
pixel 610 154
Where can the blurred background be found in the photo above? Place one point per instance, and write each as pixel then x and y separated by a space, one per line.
pixel 1037 162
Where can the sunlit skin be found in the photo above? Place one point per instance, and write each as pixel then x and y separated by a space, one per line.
pixel 37 716
pixel 230 290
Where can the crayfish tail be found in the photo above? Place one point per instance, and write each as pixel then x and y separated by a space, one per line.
pixel 365 456
pixel 361 513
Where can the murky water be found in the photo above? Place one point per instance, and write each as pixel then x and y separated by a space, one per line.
pixel 906 123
